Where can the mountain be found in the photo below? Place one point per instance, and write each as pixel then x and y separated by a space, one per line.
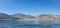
pixel 49 18
pixel 6 18
pixel 46 16
pixel 23 16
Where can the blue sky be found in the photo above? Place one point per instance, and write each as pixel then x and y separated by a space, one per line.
pixel 32 7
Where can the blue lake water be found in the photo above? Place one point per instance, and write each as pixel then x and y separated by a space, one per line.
pixel 5 25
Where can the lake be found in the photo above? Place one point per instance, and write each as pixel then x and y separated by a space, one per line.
pixel 7 25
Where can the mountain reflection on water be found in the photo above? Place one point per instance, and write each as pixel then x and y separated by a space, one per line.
pixel 9 25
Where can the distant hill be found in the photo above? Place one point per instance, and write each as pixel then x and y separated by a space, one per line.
pixel 49 18
pixel 6 18
pixel 18 16
pixel 23 16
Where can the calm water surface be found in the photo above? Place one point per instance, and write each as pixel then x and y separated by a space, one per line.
pixel 6 25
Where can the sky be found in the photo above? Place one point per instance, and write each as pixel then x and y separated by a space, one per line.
pixel 31 7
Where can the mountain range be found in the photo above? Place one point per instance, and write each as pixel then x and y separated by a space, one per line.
pixel 18 16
